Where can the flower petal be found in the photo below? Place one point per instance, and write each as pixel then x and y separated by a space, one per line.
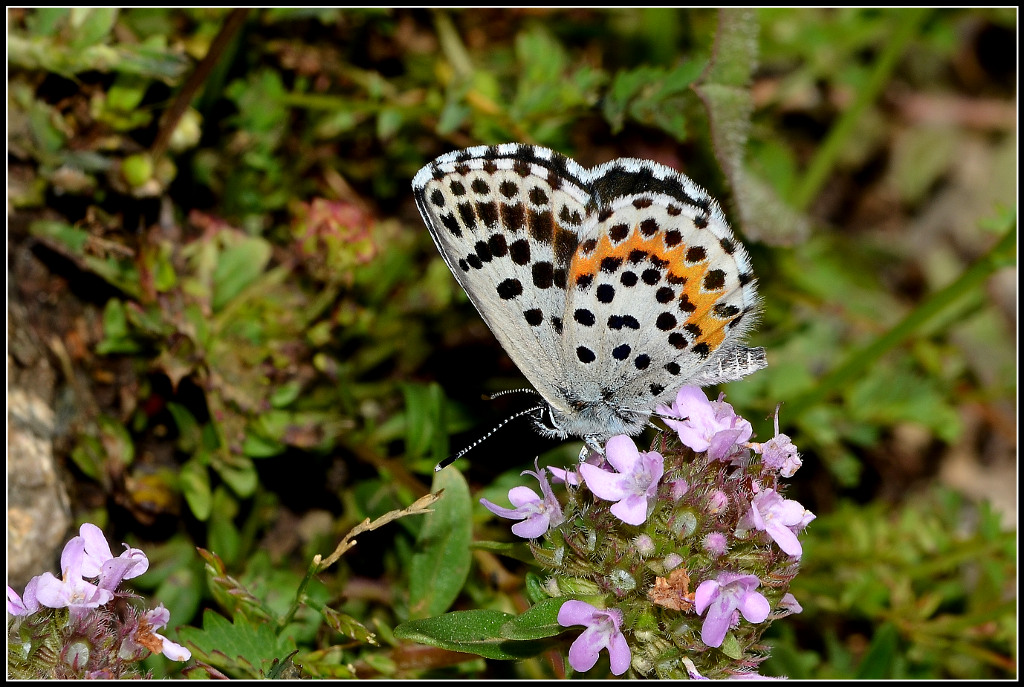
pixel 603 484
pixel 707 592
pixel 712 632
pixel 622 454
pixel 173 651
pixel 521 496
pixel 583 653
pixel 510 513
pixel 631 510
pixel 574 612
pixel 96 548
pixel 532 527
pixel 619 654
pixel 754 607
pixel 785 538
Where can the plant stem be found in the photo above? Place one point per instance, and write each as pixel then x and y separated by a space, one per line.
pixel 825 158
pixel 1001 255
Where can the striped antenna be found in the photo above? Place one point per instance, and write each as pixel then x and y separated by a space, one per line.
pixel 506 392
pixel 455 456
pixel 662 416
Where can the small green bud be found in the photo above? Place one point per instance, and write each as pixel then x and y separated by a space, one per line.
pixel 137 169
pixel 621 580
pixel 685 524
pixel 577 586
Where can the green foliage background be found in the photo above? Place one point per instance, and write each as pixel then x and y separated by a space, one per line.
pixel 267 349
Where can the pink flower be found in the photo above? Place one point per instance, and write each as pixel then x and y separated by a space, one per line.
pixel 779 452
pixel 72 591
pixel 789 604
pixel 100 563
pixel 634 486
pixel 706 426
pixel 146 635
pixel 538 514
pixel 724 599
pixel 603 632
pixel 570 477
pixel 691 670
pixel 27 605
pixel 780 518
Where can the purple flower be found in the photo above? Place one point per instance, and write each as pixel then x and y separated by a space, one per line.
pixel 725 598
pixel 603 632
pixel 570 477
pixel 538 514
pixel 679 488
pixel 691 670
pixel 779 452
pixel 790 604
pixel 100 563
pixel 706 426
pixel 715 544
pixel 72 591
pixel 634 486
pixel 27 605
pixel 146 636
pixel 780 518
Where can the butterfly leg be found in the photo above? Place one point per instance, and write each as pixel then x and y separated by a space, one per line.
pixel 591 445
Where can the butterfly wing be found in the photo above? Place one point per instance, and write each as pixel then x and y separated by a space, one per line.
pixel 609 288
pixel 506 220
pixel 660 295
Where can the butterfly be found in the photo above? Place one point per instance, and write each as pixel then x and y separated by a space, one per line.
pixel 610 288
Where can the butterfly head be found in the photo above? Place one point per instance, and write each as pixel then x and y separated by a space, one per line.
pixel 593 419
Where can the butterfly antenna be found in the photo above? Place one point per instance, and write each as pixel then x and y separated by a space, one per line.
pixel 455 456
pixel 663 416
pixel 506 392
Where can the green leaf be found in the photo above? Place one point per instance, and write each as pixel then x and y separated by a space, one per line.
pixel 46 21
pixel 347 625
pixel 91 25
pixel 258 446
pixel 116 440
pixel 878 661
pixel 223 534
pixel 285 394
pixel 195 486
pixel 472 632
pixel 238 266
pixel 117 335
pixel 731 646
pixel 88 456
pixel 238 472
pixel 389 121
pixel 70 238
pixel 538 622
pixel 520 551
pixel 241 648
pixel 653 96
pixel 189 431
pixel 48 54
pixel 424 421
pixel 440 567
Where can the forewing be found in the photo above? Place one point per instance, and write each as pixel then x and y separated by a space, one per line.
pixel 506 220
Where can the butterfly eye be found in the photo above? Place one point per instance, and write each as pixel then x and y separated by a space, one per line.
pixel 545 419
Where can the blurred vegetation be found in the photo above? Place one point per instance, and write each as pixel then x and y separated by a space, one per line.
pixel 211 223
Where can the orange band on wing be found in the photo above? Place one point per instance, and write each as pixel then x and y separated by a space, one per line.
pixel 683 268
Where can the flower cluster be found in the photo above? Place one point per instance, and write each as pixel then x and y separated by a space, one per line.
pixel 638 528
pixel 74 627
